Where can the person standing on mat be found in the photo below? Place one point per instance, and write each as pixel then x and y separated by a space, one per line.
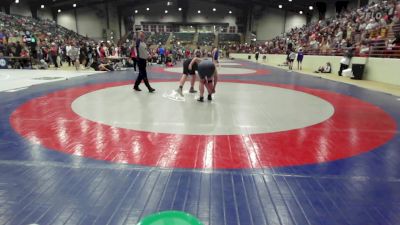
pixel 208 78
pixel 257 55
pixel 142 56
pixel 161 53
pixel 53 54
pixel 215 56
pixel 300 57
pixel 292 57
pixel 189 68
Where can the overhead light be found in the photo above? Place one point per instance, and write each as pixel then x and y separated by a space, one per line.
pixel 42 6
pixel 147 9
pixel 166 11
pixel 17 1
pixel 310 7
pixel 280 6
pixel 59 10
pixel 74 5
pixel 198 11
pixel 136 11
pixel 230 12
pixel 290 0
pixel 169 3
pixel 214 9
pixel 180 9
pixel 301 12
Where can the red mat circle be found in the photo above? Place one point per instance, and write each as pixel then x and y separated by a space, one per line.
pixel 355 128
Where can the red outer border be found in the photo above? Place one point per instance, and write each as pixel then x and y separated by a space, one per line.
pixel 356 127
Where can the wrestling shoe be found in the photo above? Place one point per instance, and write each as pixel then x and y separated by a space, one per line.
pixel 191 90
pixel 179 91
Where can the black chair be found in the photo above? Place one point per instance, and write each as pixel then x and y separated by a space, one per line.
pixel 358 71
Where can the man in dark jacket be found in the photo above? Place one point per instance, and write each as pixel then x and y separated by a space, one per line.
pixel 142 57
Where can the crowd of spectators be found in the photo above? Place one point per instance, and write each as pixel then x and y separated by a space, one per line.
pixel 27 39
pixel 14 27
pixel 157 38
pixel 364 30
pixel 27 43
pixel 187 38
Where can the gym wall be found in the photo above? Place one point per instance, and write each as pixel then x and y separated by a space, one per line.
pixel 45 14
pixel 91 21
pixel 20 9
pixel 377 69
pixel 273 23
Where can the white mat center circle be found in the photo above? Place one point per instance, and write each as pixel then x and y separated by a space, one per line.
pixel 221 70
pixel 237 109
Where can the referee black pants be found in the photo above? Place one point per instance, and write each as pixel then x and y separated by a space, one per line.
pixel 142 63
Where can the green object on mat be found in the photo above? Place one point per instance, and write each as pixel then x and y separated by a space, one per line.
pixel 170 218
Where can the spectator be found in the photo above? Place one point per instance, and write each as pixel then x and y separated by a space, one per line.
pixel 98 66
pixel 43 65
pixel 161 53
pixel 83 55
pixel 345 62
pixel 325 69
pixel 18 49
pixel 54 54
pixel 74 55
pixel 101 52
pixel 300 57
pixel 292 57
pixel 371 25
pixel 67 49
pixel 257 55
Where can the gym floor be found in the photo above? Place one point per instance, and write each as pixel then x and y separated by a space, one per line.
pixel 273 147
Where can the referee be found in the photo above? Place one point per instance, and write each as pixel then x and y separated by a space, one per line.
pixel 142 56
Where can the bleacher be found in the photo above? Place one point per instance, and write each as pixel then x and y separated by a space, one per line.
pixel 15 27
pixel 206 39
pixel 158 38
pixel 184 38
pixel 229 38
